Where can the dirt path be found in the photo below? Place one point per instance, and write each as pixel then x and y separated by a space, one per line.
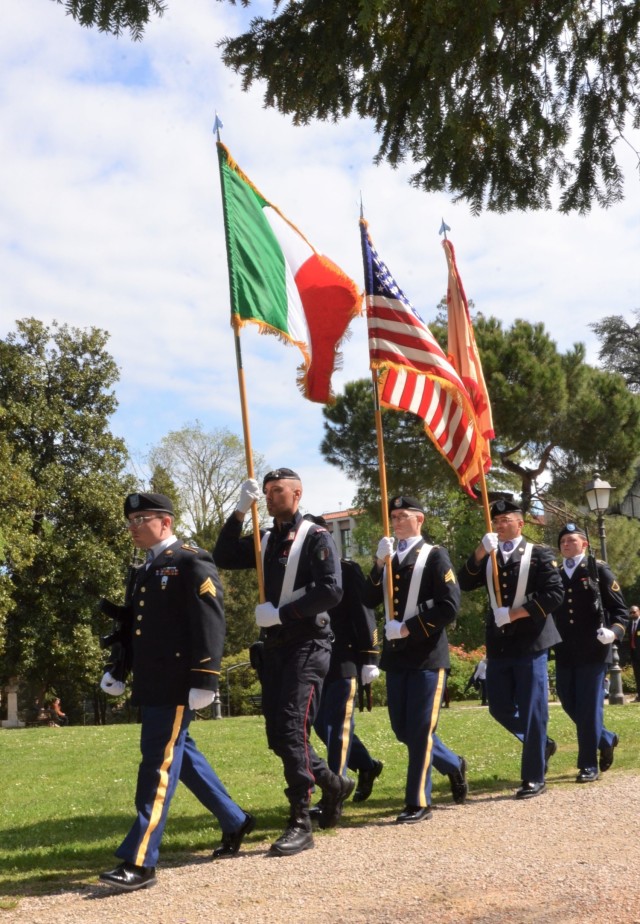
pixel 569 856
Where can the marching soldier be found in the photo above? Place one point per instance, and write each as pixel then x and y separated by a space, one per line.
pixel 592 615
pixel 415 654
pixel 174 629
pixel 519 634
pixel 302 581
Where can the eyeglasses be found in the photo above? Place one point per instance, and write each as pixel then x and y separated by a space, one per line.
pixel 138 521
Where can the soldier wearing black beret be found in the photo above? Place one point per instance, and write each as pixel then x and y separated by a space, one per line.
pixel 584 654
pixel 415 654
pixel 519 633
pixel 302 581
pixel 174 629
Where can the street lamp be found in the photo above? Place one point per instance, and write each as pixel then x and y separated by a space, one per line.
pixel 598 493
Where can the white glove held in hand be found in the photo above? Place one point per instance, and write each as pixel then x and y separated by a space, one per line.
pixel 393 630
pixel 249 492
pixel 501 616
pixel 267 616
pixel 110 686
pixel 385 548
pixel 606 636
pixel 369 673
pixel 490 542
pixel 200 699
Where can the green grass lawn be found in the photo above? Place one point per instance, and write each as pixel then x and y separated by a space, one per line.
pixel 67 794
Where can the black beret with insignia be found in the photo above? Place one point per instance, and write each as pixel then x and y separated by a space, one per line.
pixel 277 474
pixel 402 502
pixel 139 503
pixel 571 529
pixel 503 506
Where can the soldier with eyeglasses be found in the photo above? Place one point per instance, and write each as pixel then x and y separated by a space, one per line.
pixel 173 628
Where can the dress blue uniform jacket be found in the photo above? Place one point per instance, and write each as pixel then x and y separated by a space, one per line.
pixel 544 592
pixel 176 627
pixel 578 620
pixel 353 625
pixel 318 573
pixel 426 647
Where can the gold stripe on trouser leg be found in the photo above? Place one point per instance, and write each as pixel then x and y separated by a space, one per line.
pixel 435 711
pixel 161 791
pixel 346 725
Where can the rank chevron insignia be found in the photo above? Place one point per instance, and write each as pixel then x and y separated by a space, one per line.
pixel 208 587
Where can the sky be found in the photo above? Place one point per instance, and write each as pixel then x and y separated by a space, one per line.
pixel 111 217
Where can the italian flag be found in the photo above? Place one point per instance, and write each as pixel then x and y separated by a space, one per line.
pixel 281 283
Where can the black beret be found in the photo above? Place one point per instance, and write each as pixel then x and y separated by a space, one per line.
pixel 277 474
pixel 571 529
pixel 503 506
pixel 401 502
pixel 138 503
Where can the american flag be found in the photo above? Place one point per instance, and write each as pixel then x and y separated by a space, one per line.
pixel 416 375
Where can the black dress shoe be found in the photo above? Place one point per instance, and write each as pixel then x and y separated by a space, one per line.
pixel 231 842
pixel 129 877
pixel 411 814
pixel 459 785
pixel 529 790
pixel 366 779
pixel 550 749
pixel 294 839
pixel 333 799
pixel 589 775
pixel 606 755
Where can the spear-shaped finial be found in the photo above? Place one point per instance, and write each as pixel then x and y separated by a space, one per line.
pixel 217 125
pixel 444 227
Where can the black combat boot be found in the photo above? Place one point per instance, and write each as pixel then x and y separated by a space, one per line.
pixel 297 836
pixel 335 791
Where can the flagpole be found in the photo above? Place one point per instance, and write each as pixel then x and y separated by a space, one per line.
pixel 244 409
pixel 248 451
pixel 383 487
pixel 487 520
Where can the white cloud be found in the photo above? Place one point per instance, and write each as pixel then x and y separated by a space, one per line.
pixel 111 216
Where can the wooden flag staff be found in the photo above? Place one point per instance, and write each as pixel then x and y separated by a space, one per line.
pixel 250 470
pixel 487 520
pixel 383 489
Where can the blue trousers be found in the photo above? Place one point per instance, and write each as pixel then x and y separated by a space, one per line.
pixel 581 693
pixel 414 698
pixel 169 754
pixel 517 689
pixel 335 726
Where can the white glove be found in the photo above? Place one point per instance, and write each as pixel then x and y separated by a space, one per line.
pixel 249 492
pixel 490 542
pixel 200 699
pixel 393 630
pixel 385 548
pixel 369 673
pixel 267 615
pixel 606 636
pixel 110 686
pixel 501 616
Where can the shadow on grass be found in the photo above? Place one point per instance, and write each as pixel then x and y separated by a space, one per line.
pixel 67 859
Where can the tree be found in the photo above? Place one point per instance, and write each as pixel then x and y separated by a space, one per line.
pixel 204 471
pixel 487 99
pixel 557 420
pixel 207 469
pixel 620 347
pixel 56 398
pixel 114 16
pixel 495 102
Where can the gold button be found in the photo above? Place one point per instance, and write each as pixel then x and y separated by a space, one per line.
pixel 141 603
pixel 396 601
pixel 177 654
pixel 143 590
pixel 138 631
pixel 139 617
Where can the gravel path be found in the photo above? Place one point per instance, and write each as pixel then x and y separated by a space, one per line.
pixel 567 857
